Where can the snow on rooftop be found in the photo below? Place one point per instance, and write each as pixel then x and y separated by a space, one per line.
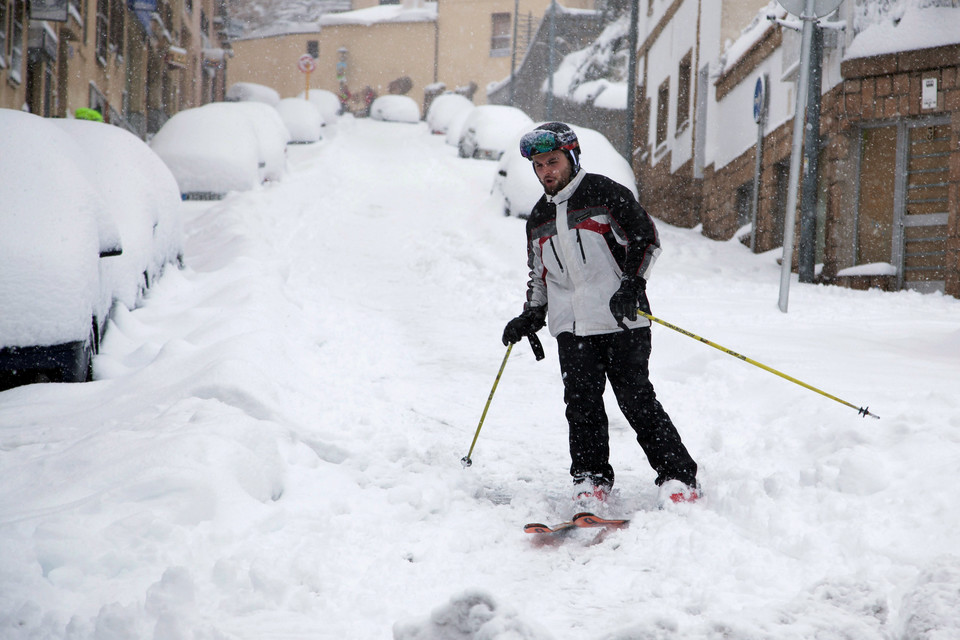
pixel 750 35
pixel 918 28
pixel 427 12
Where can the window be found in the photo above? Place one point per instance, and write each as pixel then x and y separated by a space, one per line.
pixel 3 34
pixel 500 35
pixel 663 111
pixel 313 48
pixel 102 31
pixel 116 26
pixel 684 76
pixel 17 39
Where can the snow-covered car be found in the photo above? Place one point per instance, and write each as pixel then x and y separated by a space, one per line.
pixel 87 210
pixel 490 129
pixel 444 110
pixel 252 92
pixel 517 184
pixel 456 126
pixel 302 119
pixel 140 197
pixel 272 134
pixel 395 108
pixel 326 101
pixel 209 152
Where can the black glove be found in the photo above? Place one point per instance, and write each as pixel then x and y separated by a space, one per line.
pixel 525 324
pixel 623 303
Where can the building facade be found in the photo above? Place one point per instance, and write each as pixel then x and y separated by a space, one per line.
pixel 888 194
pixel 466 46
pixel 368 51
pixel 136 62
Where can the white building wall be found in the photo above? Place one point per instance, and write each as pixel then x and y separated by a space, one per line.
pixel 676 39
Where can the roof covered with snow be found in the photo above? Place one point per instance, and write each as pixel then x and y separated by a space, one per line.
pixel 915 28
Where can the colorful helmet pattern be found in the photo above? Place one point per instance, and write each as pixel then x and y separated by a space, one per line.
pixel 551 137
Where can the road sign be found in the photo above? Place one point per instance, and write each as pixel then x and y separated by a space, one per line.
pixel 307 63
pixel 760 99
pixel 820 7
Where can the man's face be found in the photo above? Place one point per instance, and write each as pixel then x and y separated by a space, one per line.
pixel 553 170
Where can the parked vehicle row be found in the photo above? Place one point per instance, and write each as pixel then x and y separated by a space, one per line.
pixel 236 145
pixel 493 132
pixel 90 218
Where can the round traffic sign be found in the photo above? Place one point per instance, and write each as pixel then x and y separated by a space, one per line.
pixel 820 7
pixel 760 98
pixel 306 63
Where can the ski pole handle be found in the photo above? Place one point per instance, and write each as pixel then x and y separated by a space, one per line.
pixel 536 346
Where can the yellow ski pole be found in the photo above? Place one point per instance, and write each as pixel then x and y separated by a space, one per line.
pixel 863 411
pixel 465 460
pixel 538 353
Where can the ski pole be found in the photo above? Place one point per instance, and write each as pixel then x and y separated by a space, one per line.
pixel 863 411
pixel 465 460
pixel 538 353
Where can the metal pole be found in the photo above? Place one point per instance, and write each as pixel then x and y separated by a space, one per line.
pixel 799 115
pixel 553 38
pixel 632 79
pixel 811 152
pixel 513 55
pixel 758 168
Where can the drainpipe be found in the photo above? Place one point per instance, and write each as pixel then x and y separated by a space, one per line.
pixel 811 151
pixel 551 61
pixel 631 80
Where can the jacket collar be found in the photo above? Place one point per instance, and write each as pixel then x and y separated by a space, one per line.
pixel 567 192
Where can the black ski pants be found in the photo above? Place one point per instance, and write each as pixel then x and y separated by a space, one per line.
pixel 586 363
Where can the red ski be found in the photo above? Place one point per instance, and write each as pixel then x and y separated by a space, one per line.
pixel 581 520
pixel 590 520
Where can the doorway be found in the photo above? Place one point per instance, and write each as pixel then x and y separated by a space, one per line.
pixel 903 200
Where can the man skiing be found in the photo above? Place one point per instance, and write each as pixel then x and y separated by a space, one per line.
pixel 590 248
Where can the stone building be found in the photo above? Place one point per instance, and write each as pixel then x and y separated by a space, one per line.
pixel 889 152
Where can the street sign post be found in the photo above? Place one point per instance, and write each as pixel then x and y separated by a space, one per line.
pixel 307 64
pixel 808 11
pixel 760 100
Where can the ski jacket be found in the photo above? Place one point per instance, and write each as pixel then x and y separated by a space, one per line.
pixel 579 244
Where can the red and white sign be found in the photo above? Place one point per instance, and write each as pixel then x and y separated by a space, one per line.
pixel 306 63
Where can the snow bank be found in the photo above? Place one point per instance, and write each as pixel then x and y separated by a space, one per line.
pixel 471 615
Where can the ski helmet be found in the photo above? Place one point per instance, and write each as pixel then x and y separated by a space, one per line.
pixel 550 137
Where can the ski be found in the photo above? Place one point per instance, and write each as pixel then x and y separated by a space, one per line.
pixel 581 520
pixel 591 520
pixel 536 527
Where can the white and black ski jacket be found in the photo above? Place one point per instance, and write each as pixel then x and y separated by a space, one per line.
pixel 579 244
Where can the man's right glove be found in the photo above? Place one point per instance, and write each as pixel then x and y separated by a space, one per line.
pixel 623 303
pixel 527 323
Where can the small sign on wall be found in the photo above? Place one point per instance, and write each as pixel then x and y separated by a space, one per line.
pixel 928 97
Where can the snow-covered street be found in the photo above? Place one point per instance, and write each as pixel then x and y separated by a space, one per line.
pixel 272 446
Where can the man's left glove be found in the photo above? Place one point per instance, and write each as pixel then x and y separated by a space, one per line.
pixel 623 303
pixel 525 324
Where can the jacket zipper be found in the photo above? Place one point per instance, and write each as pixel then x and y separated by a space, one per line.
pixel 556 255
pixel 583 254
